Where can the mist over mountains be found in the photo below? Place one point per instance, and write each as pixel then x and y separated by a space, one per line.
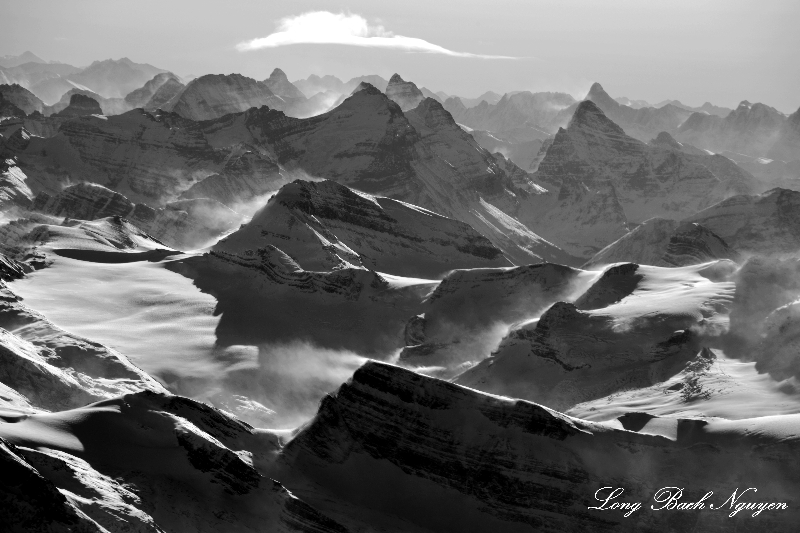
pixel 325 305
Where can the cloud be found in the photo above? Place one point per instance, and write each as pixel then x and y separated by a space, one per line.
pixel 324 27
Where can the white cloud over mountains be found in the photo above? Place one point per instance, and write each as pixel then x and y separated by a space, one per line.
pixel 324 27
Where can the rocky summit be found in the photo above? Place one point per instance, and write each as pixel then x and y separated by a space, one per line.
pixel 403 93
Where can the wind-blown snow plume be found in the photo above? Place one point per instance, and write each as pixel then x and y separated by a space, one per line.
pixel 324 27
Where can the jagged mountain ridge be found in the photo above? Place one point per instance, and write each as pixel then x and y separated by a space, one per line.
pixel 383 429
pixel 750 129
pixel 638 181
pixel 521 117
pixel 369 144
pixel 326 226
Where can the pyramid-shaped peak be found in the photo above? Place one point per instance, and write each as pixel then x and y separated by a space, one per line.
pixel 599 95
pixel 588 116
pixel 585 109
pixel 396 79
pixel 278 74
pixel 596 88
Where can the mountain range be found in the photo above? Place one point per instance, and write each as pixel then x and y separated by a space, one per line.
pixel 315 306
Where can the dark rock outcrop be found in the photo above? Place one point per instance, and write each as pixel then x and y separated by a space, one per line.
pixel 80 105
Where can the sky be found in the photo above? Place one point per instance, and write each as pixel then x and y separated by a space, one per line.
pixel 722 51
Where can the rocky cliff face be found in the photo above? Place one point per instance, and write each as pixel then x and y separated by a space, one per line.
pixel 109 106
pixel 383 429
pixel 80 105
pixel 765 223
pixel 326 226
pixel 214 95
pixel 665 242
pixel 10 110
pixel 403 93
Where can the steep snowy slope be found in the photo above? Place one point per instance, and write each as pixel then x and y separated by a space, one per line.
pixel 635 326
pixel 256 336
pixel 326 226
pixel 46 366
pixel 712 384
pixel 14 189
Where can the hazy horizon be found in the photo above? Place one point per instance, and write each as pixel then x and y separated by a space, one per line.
pixel 721 52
